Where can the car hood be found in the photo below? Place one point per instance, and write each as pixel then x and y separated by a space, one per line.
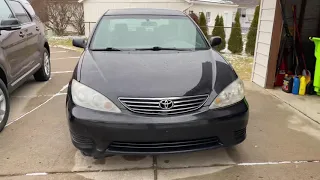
pixel 155 74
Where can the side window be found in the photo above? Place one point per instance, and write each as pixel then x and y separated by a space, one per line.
pixel 20 12
pixel 5 12
pixel 29 8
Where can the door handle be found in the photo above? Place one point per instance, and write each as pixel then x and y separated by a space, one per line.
pixel 21 34
pixel 37 28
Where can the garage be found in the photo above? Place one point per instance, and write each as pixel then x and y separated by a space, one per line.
pixel 284 47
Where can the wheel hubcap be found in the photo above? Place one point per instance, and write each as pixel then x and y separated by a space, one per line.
pixel 2 106
pixel 46 63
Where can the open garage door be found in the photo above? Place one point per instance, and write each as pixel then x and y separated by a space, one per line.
pixel 271 33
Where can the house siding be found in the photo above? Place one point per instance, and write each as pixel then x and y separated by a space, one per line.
pixel 246 21
pixel 94 9
pixel 226 11
pixel 263 42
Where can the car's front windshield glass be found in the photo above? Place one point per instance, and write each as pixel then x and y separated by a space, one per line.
pixel 144 32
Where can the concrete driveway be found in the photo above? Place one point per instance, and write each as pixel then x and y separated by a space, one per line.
pixel 281 144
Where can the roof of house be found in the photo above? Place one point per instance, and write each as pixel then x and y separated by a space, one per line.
pixel 246 3
pixel 144 11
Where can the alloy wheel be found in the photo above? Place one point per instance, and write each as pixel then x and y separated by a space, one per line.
pixel 47 63
pixel 3 104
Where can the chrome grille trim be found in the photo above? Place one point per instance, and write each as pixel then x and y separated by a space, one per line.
pixel 190 100
pixel 135 102
pixel 182 105
pixel 151 105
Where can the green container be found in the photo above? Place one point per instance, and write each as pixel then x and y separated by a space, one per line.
pixel 316 81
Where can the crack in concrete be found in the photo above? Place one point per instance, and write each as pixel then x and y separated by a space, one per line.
pixel 156 168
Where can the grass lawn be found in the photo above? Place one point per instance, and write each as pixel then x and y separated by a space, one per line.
pixel 241 64
pixel 66 42
pixel 62 42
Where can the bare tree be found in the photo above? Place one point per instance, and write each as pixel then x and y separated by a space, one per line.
pixel 38 6
pixel 59 16
pixel 77 21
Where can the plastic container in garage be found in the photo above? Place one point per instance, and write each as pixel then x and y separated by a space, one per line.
pixel 316 81
pixel 287 84
pixel 296 85
pixel 303 86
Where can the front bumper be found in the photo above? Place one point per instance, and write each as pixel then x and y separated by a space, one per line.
pixel 99 134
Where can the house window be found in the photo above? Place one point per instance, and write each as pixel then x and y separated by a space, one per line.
pixel 225 18
pixel 243 12
pixel 208 17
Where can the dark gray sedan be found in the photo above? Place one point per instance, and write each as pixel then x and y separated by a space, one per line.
pixel 149 82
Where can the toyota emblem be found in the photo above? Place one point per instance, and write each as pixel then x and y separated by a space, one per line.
pixel 166 104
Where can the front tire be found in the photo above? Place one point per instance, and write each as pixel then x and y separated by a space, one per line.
pixel 4 105
pixel 44 73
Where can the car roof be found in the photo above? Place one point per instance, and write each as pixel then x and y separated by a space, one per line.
pixel 22 1
pixel 26 4
pixel 144 11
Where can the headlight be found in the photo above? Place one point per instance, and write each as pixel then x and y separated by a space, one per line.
pixel 230 95
pixel 86 97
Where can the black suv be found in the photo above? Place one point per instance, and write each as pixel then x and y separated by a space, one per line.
pixel 24 50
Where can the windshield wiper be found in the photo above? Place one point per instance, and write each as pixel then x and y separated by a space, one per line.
pixel 157 48
pixel 106 49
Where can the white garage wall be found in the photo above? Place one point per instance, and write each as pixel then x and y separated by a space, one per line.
pixel 263 43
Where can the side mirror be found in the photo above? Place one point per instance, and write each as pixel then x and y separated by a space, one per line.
pixel 79 42
pixel 10 24
pixel 215 41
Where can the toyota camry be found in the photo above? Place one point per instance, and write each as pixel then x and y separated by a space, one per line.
pixel 150 82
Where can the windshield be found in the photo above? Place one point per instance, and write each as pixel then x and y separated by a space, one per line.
pixel 147 32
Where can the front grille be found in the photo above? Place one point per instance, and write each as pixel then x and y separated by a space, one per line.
pixel 158 147
pixel 153 105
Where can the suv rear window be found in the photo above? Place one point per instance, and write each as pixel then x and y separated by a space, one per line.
pixel 131 32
